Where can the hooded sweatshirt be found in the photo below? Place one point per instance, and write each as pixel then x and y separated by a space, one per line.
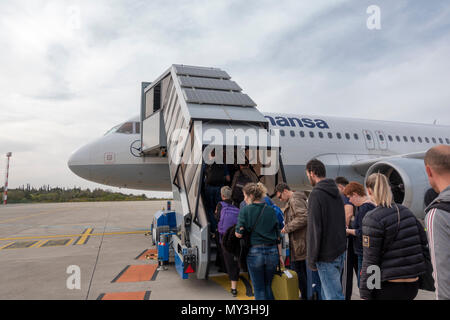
pixel 437 222
pixel 326 236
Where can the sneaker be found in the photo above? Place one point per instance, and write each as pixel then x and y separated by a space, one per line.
pixel 234 292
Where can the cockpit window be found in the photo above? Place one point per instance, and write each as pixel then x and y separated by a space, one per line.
pixel 113 129
pixel 126 128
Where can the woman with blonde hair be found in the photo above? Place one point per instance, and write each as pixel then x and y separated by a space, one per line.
pixel 394 241
pixel 260 220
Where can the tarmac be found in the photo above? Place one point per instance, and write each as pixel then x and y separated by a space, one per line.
pixel 96 251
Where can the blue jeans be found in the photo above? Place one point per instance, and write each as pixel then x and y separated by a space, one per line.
pixel 360 259
pixel 262 264
pixel 330 278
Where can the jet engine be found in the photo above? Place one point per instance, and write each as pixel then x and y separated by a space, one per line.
pixel 408 180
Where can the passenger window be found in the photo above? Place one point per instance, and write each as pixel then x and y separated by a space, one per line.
pixel 126 128
pixel 368 137
pixel 427 140
pixel 433 139
pixel 381 137
pixel 302 134
pixel 412 139
pixel 321 135
pixel 330 135
pixel 292 133
pixel 420 139
pixel 356 136
pixel 338 135
pixel 390 138
pixel 440 140
pixel 282 133
pixel 347 136
pixel 447 140
pixel 405 138
pixel 311 134
pixel 397 138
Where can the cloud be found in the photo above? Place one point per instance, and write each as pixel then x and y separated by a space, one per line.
pixel 72 69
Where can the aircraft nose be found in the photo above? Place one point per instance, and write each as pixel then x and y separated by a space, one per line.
pixel 80 162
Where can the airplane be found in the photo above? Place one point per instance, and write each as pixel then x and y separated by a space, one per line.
pixel 353 148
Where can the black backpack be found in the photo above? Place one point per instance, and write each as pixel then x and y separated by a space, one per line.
pixel 215 175
pixel 237 194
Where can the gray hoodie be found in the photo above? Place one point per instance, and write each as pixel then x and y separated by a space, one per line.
pixel 437 223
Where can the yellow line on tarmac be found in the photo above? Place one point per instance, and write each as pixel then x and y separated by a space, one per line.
pixel 38 244
pixel 84 237
pixel 70 242
pixel 75 235
pixel 6 245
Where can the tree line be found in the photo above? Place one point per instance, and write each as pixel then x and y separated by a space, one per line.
pixel 57 194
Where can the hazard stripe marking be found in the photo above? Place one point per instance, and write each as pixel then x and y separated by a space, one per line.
pixel 148 254
pixel 143 295
pixel 137 273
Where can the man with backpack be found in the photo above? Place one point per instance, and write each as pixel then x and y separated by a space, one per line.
pixel 437 220
pixel 243 176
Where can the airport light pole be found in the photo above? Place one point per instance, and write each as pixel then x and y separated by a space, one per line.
pixel 5 192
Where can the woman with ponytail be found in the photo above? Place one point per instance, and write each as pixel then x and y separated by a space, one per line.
pixel 393 244
pixel 265 252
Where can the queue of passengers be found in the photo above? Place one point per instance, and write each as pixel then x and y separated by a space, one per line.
pixel 342 226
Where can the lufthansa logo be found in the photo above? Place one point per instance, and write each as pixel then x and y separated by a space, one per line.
pixel 135 148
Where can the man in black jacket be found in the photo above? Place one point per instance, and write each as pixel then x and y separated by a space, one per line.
pixel 326 237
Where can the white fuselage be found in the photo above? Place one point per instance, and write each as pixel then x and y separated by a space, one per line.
pixel 109 160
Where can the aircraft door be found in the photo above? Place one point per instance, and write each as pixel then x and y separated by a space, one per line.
pixel 368 137
pixel 381 139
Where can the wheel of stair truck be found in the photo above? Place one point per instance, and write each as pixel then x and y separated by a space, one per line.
pixel 157 232
pixel 152 232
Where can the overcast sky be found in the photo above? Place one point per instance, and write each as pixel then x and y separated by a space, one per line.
pixel 71 70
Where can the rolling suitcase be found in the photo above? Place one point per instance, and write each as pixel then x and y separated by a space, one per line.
pixel 285 285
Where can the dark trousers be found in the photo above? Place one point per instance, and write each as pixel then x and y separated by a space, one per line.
pixel 231 264
pixel 396 291
pixel 212 198
pixel 351 264
pixel 300 268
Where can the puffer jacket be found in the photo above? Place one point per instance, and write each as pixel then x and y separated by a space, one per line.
pixel 398 249
pixel 296 218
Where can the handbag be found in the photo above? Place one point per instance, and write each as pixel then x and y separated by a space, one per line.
pixel 245 242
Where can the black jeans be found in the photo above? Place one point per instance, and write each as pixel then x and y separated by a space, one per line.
pixel 396 291
pixel 300 268
pixel 351 263
pixel 231 264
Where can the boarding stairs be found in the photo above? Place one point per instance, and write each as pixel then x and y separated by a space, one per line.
pixel 187 112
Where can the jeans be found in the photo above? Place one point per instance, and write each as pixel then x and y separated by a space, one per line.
pixel 360 259
pixel 314 291
pixel 330 278
pixel 262 264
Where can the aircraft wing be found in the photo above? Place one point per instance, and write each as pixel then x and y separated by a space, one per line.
pixel 361 166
